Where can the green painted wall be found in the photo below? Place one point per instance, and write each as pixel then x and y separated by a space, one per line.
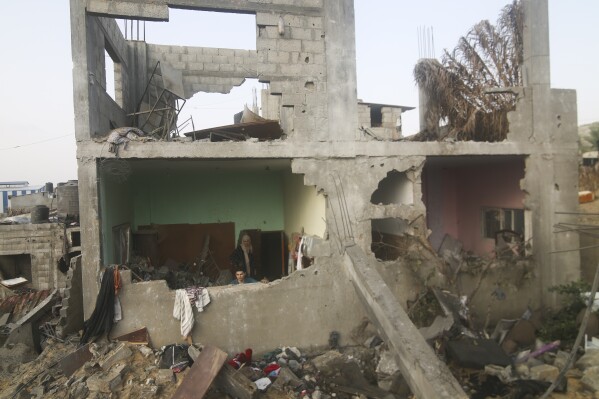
pixel 115 209
pixel 250 199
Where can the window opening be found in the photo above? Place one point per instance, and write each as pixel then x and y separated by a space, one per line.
pixel 109 84
pixel 14 266
pixel 498 219
pixel 376 116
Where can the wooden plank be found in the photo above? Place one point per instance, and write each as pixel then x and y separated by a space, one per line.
pixel 137 337
pixel 427 376
pixel 202 373
pixel 236 384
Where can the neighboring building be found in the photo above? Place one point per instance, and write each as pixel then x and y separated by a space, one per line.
pixel 327 176
pixel 13 189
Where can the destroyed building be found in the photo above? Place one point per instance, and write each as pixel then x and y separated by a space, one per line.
pixel 335 172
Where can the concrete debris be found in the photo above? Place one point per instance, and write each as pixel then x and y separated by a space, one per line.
pixel 121 352
pixel 177 275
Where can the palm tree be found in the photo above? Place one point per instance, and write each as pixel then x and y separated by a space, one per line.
pixel 457 88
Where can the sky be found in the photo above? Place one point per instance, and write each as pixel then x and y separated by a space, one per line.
pixel 36 100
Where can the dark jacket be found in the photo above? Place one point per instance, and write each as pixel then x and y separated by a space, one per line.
pixel 237 259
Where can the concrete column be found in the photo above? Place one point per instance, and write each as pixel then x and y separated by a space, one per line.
pixel 342 92
pixel 80 72
pixel 90 231
pixel 551 173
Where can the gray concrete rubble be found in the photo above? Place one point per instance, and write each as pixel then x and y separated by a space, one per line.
pixel 373 210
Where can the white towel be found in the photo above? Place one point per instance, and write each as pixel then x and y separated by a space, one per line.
pixel 184 312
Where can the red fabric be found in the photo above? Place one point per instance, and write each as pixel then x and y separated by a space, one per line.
pixel 271 367
pixel 241 358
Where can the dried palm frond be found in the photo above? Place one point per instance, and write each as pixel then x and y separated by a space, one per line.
pixel 487 57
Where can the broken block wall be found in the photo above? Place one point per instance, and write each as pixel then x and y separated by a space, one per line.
pixel 44 243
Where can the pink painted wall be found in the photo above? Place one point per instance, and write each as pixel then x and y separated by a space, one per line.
pixel 456 195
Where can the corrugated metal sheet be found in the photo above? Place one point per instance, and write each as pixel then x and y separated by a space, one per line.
pixel 7 192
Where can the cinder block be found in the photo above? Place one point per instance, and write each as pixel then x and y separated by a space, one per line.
pixel 209 51
pixel 195 66
pixel 313 22
pixel 278 57
pixel 289 45
pixel 313 46
pixel 203 58
pixel 220 59
pixel 188 57
pixel 292 69
pixel 302 33
pixel 263 18
pixel 266 44
pixel 211 67
pixel 226 52
pixel 293 99
pixel 227 67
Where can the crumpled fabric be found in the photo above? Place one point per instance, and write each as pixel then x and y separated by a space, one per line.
pixel 183 311
pixel 198 296
pixel 122 135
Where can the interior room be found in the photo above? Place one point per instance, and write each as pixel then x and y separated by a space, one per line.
pixel 473 199
pixel 191 214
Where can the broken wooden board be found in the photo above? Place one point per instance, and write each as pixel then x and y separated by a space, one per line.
pixel 427 376
pixel 236 384
pixel 137 337
pixel 202 373
pixel 14 282
pixel 72 362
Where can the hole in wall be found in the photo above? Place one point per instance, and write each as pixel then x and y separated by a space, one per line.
pixel 388 238
pixel 307 60
pixel 395 188
pixel 309 86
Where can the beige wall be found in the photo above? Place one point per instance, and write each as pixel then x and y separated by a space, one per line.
pixel 304 207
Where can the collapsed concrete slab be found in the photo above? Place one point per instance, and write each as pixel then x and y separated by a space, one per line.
pixel 417 361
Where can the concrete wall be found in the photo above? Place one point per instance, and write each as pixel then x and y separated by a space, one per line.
pixel 301 309
pixel 44 243
pixel 29 201
pixel 310 68
pixel 304 207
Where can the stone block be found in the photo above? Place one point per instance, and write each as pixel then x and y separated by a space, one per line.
pixel 220 59
pixel 278 57
pixel 387 364
pixel 560 359
pixel 210 51
pixel 121 352
pixel 313 46
pixel 590 379
pixel 289 45
pixel 328 363
pixel 267 44
pixel 107 382
pixel 211 67
pixel 544 372
pixel 164 377
pixel 267 19
pixel 226 52
pixel 589 359
pixel 302 33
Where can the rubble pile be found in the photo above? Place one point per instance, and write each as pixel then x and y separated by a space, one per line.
pixel 177 275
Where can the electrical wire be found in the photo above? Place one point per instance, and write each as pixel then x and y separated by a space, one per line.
pixel 36 142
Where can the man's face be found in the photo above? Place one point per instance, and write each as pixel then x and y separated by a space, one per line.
pixel 246 241
pixel 240 276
